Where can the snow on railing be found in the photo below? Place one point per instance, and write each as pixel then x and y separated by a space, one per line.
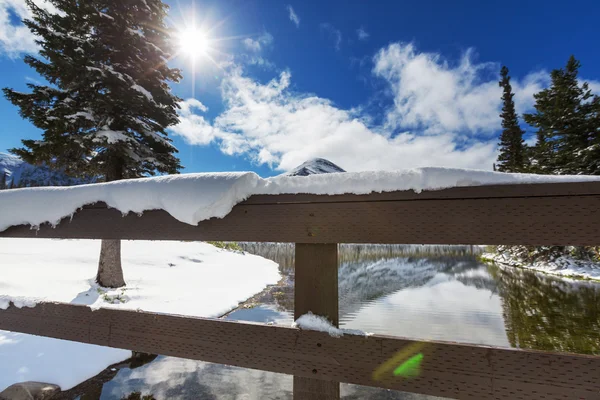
pixel 191 198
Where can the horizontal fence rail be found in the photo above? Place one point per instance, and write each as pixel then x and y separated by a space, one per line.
pixel 532 214
pixel 447 369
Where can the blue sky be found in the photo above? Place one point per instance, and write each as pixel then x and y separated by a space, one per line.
pixel 368 85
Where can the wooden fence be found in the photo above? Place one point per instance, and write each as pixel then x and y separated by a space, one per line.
pixel 536 214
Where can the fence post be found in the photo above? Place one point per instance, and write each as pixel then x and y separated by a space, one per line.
pixel 316 290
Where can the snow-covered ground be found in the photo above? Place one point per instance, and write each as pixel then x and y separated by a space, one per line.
pixel 190 278
pixel 565 266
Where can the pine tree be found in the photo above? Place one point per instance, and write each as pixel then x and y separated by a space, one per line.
pixel 564 119
pixel 108 104
pixel 3 181
pixel 590 156
pixel 542 155
pixel 512 157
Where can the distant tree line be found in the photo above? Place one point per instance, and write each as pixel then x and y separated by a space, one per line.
pixel 3 182
pixel 567 123
pixel 6 184
pixel 26 180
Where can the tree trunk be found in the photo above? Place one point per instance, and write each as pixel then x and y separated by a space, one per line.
pixel 110 272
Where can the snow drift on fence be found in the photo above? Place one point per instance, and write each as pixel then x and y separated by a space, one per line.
pixel 192 198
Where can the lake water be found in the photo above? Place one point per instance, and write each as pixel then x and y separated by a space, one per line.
pixel 439 293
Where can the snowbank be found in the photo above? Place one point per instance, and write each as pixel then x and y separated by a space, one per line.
pixel 189 278
pixel 192 198
pixel 564 266
pixel 42 359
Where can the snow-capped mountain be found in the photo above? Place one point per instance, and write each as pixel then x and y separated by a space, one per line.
pixel 314 166
pixel 21 174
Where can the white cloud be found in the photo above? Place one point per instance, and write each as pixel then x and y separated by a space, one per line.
pixel 189 105
pixel 275 126
pixel 193 127
pixel 257 60
pixel 254 49
pixel 531 140
pixel 362 34
pixel 527 87
pixel 293 16
pixel 595 87
pixel 33 80
pixel 258 44
pixel 333 33
pixel 16 38
pixel 251 44
pixel 434 96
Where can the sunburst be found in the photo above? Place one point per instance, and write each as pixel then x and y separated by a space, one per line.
pixel 195 43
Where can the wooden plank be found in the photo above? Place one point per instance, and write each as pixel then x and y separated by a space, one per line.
pixel 447 370
pixel 556 220
pixel 316 281
pixel 465 192
pixel 316 291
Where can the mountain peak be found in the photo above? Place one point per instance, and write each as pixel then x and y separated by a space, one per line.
pixel 313 167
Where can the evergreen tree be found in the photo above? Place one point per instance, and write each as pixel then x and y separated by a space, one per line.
pixel 512 157
pixel 565 113
pixel 590 156
pixel 541 155
pixel 108 104
pixel 3 181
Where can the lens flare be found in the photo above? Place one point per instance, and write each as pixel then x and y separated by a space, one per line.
pixel 410 368
pixel 405 364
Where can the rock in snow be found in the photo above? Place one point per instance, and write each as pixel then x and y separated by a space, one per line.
pixel 313 167
pixel 30 391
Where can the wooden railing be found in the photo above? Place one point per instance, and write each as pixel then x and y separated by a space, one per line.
pixel 536 214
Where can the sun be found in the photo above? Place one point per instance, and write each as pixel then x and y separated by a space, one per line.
pixel 194 42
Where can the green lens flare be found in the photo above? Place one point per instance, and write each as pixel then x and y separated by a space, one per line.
pixel 410 368
pixel 410 365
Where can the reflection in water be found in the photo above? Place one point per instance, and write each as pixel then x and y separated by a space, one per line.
pixel 434 303
pixel 546 313
pixel 283 253
pixel 174 378
pixel 426 294
pixel 179 379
